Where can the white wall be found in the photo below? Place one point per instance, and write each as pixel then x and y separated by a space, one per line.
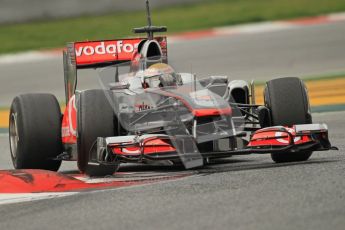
pixel 26 10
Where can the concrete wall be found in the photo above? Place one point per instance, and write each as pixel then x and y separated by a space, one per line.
pixel 27 10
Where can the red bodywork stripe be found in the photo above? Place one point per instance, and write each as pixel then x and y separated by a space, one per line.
pixel 150 146
pixel 276 138
pixel 210 112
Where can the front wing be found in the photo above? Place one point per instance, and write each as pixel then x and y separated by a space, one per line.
pixel 278 139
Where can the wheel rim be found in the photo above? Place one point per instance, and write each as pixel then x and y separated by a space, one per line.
pixel 14 138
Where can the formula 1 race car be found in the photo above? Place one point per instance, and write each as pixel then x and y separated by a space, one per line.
pixel 146 112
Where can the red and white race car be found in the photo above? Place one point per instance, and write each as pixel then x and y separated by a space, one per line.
pixel 146 112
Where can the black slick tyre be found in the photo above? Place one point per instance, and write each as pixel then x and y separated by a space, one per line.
pixel 288 102
pixel 35 132
pixel 95 118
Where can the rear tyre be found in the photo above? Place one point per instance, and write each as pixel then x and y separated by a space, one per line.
pixel 95 119
pixel 35 132
pixel 287 99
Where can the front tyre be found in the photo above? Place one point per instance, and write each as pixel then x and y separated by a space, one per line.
pixel 287 99
pixel 95 119
pixel 35 132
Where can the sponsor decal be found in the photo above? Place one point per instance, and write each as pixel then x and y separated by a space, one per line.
pixel 65 132
pixel 105 51
pixel 69 122
pixel 143 106
pixel 112 48
pixel 94 52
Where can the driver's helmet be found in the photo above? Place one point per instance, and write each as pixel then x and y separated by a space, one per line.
pixel 159 75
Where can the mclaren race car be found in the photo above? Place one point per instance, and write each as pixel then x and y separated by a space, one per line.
pixel 145 112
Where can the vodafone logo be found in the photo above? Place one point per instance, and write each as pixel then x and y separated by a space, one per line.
pixel 94 52
pixel 103 48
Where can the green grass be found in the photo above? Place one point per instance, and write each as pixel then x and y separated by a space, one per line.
pixel 211 13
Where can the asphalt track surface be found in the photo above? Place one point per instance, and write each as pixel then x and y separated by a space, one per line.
pixel 248 192
pixel 304 51
pixel 237 193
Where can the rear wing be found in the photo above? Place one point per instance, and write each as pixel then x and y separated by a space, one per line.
pixel 93 54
